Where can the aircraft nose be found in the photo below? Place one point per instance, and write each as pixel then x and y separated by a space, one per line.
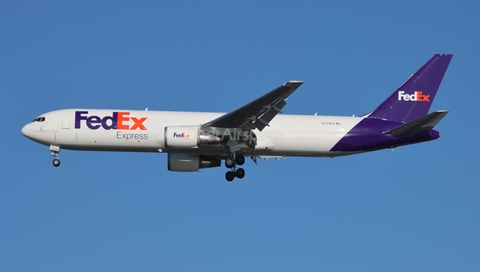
pixel 26 131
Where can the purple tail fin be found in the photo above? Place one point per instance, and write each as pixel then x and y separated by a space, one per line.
pixel 414 97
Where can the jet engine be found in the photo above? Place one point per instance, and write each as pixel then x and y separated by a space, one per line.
pixel 188 137
pixel 182 162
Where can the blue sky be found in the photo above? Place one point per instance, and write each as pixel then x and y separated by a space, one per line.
pixel 410 210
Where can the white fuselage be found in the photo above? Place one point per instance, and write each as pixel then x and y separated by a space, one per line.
pixel 144 131
pixel 197 140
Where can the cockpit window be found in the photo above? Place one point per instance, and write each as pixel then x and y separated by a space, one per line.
pixel 39 119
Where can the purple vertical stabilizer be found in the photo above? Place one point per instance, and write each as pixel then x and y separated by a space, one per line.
pixel 413 98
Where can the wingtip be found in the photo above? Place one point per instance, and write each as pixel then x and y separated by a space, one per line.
pixel 293 82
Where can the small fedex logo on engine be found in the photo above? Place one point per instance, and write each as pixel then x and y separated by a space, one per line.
pixel 118 120
pixel 181 135
pixel 418 96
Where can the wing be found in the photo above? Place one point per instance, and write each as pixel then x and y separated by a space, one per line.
pixel 259 112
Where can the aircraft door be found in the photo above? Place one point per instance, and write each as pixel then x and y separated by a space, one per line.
pixel 66 121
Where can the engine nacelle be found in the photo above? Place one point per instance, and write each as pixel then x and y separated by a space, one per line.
pixel 187 137
pixel 182 162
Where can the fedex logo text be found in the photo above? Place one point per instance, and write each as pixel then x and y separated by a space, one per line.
pixel 418 96
pixel 118 120
pixel 182 135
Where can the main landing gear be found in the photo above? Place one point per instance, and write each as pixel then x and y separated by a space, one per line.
pixel 232 162
pixel 54 152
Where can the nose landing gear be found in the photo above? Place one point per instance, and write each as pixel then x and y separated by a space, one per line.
pixel 54 152
pixel 232 162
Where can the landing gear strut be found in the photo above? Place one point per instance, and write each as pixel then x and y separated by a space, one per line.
pixel 54 152
pixel 232 162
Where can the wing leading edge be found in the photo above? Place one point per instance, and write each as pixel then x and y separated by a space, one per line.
pixel 259 112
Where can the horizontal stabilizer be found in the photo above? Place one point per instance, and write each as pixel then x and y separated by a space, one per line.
pixel 422 124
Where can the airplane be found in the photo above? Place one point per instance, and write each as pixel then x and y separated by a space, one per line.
pixel 197 140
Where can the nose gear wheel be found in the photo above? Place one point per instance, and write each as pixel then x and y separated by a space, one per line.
pixel 54 152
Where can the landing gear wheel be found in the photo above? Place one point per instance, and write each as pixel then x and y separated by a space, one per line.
pixel 229 163
pixel 229 176
pixel 240 159
pixel 56 162
pixel 240 173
